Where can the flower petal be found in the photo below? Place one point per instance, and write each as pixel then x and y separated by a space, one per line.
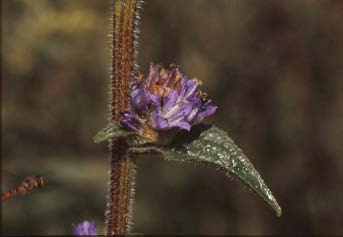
pixel 192 115
pixel 129 120
pixel 170 101
pixel 183 125
pixel 191 88
pixel 161 122
pixel 181 113
pixel 201 115
pixel 183 89
pixel 156 101
pixel 140 101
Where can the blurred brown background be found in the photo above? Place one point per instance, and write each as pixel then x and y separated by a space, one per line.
pixel 274 68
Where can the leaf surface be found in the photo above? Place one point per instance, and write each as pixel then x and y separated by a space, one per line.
pixel 214 147
pixel 111 131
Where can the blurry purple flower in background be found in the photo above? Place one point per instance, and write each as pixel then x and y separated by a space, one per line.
pixel 165 99
pixel 85 228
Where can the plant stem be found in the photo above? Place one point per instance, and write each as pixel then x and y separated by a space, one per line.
pixel 122 173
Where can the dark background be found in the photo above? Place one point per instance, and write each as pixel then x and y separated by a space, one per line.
pixel 274 68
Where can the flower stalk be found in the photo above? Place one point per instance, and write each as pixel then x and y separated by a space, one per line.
pixel 122 172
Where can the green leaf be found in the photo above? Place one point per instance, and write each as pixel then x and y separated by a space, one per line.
pixel 112 130
pixel 213 146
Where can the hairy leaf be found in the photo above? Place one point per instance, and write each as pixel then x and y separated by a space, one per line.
pixel 214 147
pixel 112 130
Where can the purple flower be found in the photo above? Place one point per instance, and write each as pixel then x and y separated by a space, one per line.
pixel 165 99
pixel 139 95
pixel 129 119
pixel 85 228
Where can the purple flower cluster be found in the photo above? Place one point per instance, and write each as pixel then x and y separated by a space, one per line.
pixel 165 99
pixel 85 228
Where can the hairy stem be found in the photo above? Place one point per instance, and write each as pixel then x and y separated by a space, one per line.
pixel 122 174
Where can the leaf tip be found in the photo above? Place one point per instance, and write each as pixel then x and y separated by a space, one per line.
pixel 278 211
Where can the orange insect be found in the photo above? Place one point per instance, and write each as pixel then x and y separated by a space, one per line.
pixel 26 186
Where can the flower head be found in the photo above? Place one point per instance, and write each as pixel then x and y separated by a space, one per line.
pixel 165 99
pixel 85 228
